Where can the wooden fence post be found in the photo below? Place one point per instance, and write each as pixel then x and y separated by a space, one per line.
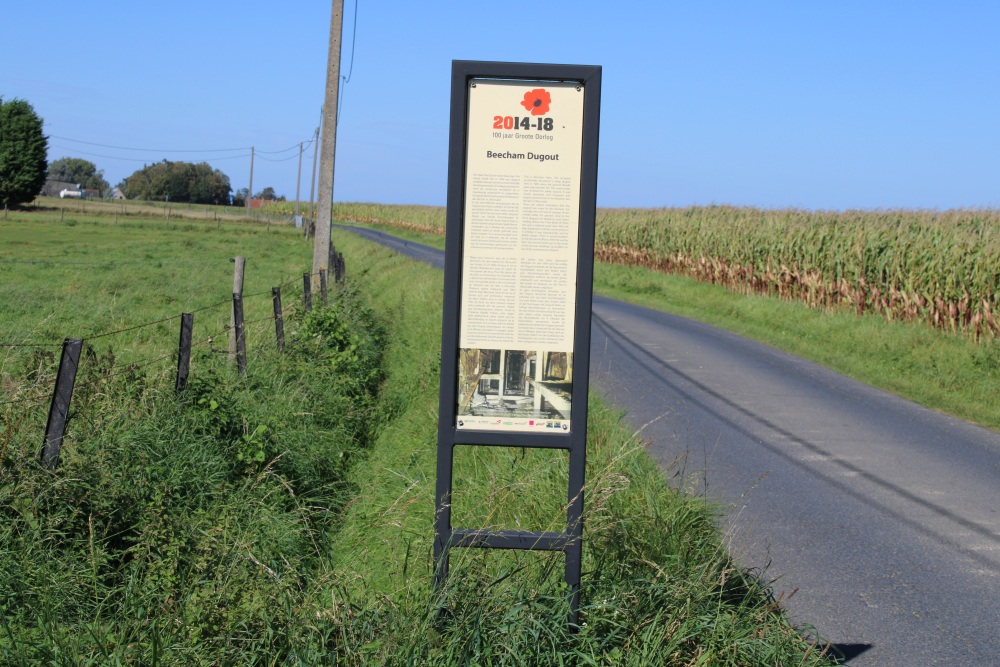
pixel 55 427
pixel 241 343
pixel 279 324
pixel 184 352
pixel 307 291
pixel 322 284
pixel 240 265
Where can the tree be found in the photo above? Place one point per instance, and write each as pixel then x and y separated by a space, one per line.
pixel 268 194
pixel 240 197
pixel 23 150
pixel 77 170
pixel 178 182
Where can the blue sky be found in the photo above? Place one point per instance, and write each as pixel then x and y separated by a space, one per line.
pixel 808 104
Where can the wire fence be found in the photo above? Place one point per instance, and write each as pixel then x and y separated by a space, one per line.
pixel 57 392
pixel 124 209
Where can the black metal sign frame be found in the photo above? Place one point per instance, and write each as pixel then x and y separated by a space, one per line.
pixel 570 542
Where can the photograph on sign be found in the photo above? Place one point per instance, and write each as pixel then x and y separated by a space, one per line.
pixel 519 255
pixel 529 390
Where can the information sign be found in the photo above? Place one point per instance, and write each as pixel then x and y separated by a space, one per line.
pixel 519 262
pixel 519 255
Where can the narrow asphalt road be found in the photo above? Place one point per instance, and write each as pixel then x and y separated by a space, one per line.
pixel 878 519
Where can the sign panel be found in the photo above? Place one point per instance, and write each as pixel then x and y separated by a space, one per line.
pixel 519 256
pixel 519 266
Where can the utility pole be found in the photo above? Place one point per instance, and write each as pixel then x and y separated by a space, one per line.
pixel 328 145
pixel 298 182
pixel 312 183
pixel 250 191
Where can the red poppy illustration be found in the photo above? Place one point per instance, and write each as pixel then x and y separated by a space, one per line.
pixel 537 101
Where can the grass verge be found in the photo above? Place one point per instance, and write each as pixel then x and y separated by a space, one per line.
pixel 189 529
pixel 659 587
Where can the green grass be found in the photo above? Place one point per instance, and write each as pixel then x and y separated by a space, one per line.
pixel 189 529
pixel 176 530
pixel 87 276
pixel 286 517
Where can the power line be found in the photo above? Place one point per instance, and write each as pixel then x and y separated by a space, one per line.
pixel 108 157
pixel 284 159
pixel 146 160
pixel 344 80
pixel 305 144
pixel 354 36
pixel 230 157
pixel 153 150
pixel 283 150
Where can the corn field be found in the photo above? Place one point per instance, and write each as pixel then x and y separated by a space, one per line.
pixel 941 268
pixel 425 219
pixel 937 267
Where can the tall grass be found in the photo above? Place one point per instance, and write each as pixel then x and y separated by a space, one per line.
pixel 189 529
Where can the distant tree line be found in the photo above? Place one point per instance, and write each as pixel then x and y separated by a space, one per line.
pixel 178 182
pixel 267 194
pixel 24 169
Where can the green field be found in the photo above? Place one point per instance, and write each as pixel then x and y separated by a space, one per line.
pixel 285 517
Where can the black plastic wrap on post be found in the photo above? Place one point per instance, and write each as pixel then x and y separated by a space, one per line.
pixel 279 323
pixel 241 343
pixel 55 427
pixel 307 291
pixel 184 351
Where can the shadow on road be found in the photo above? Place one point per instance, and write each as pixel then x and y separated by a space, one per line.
pixel 844 653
